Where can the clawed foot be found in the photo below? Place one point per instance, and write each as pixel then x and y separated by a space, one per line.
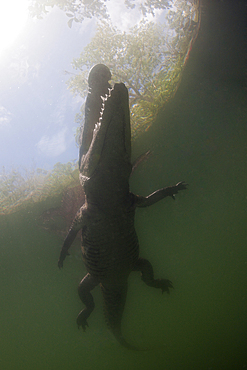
pixel 81 320
pixel 165 284
pixel 179 186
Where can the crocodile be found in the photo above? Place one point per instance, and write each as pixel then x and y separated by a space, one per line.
pixel 110 248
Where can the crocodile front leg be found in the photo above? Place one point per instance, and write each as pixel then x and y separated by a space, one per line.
pixel 77 224
pixel 87 284
pixel 153 198
pixel 146 269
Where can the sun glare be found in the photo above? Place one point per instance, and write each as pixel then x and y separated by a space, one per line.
pixel 13 16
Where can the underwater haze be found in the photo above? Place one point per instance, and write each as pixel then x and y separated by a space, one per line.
pixel 198 241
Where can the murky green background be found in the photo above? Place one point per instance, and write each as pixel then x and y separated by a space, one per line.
pixel 198 241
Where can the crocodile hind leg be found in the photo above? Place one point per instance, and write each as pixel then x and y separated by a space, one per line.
pixel 146 269
pixel 87 284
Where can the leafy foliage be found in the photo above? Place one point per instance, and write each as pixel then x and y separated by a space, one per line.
pixel 78 10
pixel 18 190
pixel 149 59
pixel 149 6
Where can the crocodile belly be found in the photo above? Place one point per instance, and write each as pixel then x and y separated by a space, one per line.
pixel 110 250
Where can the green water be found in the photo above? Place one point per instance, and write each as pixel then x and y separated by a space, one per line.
pixel 198 241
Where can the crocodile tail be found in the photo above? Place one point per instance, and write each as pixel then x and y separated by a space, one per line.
pixel 114 297
pixel 119 337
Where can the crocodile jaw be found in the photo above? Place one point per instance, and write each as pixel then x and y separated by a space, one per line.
pixel 114 111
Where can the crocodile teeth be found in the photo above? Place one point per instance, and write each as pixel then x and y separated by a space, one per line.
pixel 97 126
pixel 110 90
pixel 104 99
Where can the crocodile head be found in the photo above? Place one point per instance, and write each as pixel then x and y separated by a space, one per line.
pixel 106 139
